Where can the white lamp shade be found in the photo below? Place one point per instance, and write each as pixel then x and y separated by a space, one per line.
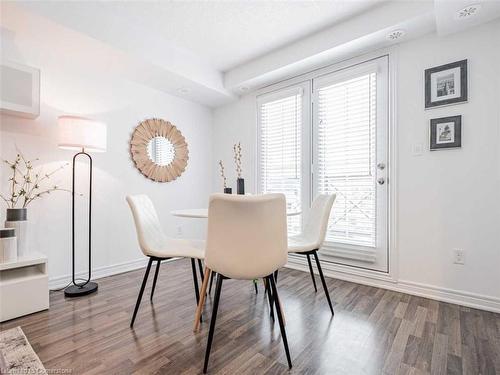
pixel 76 133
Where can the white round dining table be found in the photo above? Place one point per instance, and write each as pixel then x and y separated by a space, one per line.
pixel 202 213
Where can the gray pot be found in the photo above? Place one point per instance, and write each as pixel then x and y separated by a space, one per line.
pixel 17 214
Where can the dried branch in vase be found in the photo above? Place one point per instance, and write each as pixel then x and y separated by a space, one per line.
pixel 237 158
pixel 222 173
pixel 26 185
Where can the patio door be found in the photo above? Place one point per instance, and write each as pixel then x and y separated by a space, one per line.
pixel 350 159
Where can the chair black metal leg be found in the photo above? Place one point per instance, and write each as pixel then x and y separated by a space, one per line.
pixel 139 297
pixel 276 276
pixel 195 280
pixel 158 262
pixel 211 282
pixel 218 289
pixel 269 297
pixel 311 271
pixel 323 281
pixel 255 286
pixel 280 319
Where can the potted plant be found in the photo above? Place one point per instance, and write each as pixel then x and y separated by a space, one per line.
pixel 25 186
pixel 240 182
pixel 227 190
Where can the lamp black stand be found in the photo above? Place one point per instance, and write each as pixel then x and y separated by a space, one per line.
pixel 87 287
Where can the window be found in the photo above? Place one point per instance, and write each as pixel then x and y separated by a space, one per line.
pixel 280 149
pixel 329 134
pixel 346 118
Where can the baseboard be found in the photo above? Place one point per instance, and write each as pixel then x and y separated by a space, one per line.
pixel 100 272
pixel 476 301
pixel 457 297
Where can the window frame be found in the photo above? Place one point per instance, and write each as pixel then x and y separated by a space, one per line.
pixel 304 88
pixel 379 66
pixel 345 69
pixel 329 65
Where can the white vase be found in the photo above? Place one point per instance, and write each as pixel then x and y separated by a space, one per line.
pixel 8 245
pixel 17 218
pixel 21 228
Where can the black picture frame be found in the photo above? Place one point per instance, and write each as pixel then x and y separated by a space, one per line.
pixel 463 95
pixel 439 133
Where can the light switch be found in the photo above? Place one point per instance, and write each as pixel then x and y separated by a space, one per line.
pixel 417 149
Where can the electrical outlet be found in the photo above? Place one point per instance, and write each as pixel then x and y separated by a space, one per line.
pixel 458 256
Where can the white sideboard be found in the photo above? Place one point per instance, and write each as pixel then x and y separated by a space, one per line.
pixel 24 286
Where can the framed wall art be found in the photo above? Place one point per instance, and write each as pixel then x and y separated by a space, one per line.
pixel 446 84
pixel 446 132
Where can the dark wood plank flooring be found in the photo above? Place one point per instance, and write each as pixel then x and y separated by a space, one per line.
pixel 374 331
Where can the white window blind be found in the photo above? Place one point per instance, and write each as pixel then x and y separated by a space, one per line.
pixel 346 157
pixel 280 123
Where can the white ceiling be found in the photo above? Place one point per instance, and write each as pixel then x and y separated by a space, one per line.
pixel 448 22
pixel 221 33
pixel 210 51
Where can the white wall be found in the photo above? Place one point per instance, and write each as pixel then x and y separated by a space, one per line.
pixel 446 199
pixel 450 199
pixel 69 87
pixel 234 123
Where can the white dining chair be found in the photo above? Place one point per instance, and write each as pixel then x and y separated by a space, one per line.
pixel 246 240
pixel 313 235
pixel 157 246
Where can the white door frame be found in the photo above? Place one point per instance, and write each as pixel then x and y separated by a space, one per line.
pixel 392 172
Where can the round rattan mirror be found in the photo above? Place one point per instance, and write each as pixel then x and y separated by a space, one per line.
pixel 159 150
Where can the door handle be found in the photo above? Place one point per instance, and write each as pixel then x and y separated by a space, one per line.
pixel 381 181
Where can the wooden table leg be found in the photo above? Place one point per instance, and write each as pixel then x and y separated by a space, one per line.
pixel 203 293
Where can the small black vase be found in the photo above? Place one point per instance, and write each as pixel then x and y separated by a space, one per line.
pixel 240 186
pixel 17 214
pixel 228 191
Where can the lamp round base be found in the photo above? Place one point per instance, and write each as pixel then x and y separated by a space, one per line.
pixel 77 291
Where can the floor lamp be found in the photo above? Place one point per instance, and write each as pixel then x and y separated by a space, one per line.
pixel 83 135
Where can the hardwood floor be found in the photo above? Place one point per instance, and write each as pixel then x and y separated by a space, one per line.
pixel 374 331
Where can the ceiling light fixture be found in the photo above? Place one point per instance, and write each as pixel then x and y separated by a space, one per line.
pixel 396 34
pixel 468 11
